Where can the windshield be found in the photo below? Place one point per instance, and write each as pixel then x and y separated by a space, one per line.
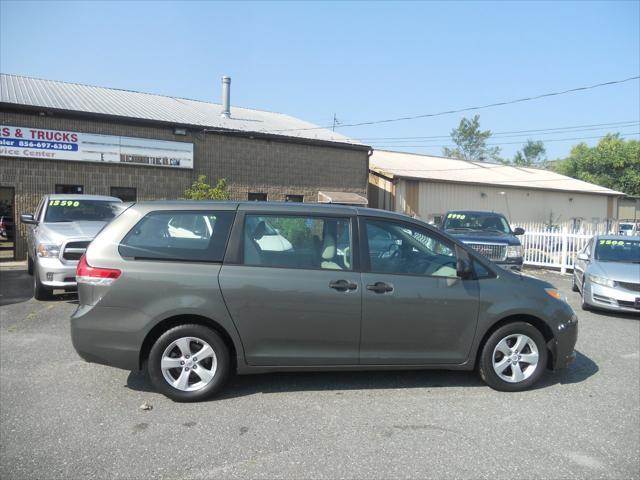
pixel 60 210
pixel 627 251
pixel 483 222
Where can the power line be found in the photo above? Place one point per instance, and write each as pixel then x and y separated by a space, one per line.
pixel 527 136
pixel 552 130
pixel 505 143
pixel 467 109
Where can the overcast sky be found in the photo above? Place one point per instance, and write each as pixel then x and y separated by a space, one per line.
pixel 360 61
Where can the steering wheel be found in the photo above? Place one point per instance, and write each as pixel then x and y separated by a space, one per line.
pixel 394 251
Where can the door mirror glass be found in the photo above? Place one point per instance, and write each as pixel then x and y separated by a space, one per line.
pixel 583 256
pixel 463 268
pixel 518 231
pixel 28 219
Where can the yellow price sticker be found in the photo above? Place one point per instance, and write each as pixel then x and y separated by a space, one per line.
pixel 64 203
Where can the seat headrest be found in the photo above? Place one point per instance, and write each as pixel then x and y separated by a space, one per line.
pixel 260 230
pixel 328 247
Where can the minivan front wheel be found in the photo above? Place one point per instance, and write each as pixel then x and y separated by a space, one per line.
pixel 189 363
pixel 514 357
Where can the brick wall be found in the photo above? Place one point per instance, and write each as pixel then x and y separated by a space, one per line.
pixel 250 165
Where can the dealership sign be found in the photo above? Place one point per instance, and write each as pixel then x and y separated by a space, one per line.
pixel 89 147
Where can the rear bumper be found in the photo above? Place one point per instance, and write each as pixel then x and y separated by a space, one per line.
pixel 109 336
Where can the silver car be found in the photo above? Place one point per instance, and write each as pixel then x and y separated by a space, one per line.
pixel 60 231
pixel 607 273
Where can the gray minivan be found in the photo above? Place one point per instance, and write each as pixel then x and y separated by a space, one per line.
pixel 194 291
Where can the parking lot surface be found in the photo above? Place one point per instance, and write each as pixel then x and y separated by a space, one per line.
pixel 64 418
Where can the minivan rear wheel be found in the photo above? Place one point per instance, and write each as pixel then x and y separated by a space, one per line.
pixel 189 363
pixel 514 357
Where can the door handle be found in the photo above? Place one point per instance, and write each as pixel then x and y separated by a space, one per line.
pixel 343 285
pixel 380 287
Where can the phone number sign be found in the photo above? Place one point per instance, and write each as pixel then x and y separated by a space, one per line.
pixel 39 143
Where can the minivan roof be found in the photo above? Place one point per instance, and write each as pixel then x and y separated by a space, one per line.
pixel 294 207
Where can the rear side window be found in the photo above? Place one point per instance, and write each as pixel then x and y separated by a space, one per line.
pixel 197 236
pixel 298 242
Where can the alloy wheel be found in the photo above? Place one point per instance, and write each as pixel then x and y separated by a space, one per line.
pixel 515 358
pixel 189 364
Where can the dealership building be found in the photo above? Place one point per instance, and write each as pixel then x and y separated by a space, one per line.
pixel 58 137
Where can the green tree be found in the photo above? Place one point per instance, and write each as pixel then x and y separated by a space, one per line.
pixel 201 190
pixel 532 153
pixel 471 142
pixel 613 163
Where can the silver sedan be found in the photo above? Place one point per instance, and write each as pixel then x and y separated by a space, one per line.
pixel 607 273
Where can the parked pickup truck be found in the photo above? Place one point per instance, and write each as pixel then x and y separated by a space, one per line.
pixel 59 232
pixel 489 234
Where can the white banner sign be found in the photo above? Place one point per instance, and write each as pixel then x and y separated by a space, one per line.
pixel 89 147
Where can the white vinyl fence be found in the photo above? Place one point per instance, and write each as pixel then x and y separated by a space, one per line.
pixel 557 247
pixel 553 249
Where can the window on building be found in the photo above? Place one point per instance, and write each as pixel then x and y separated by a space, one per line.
pixel 294 198
pixel 257 197
pixel 198 236
pixel 126 194
pixel 297 242
pixel 69 189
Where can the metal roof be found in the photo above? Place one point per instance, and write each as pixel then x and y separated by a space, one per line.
pixel 51 94
pixel 442 169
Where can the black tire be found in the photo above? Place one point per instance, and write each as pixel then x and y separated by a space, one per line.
pixel 487 372
pixel 199 332
pixel 40 292
pixel 29 265
pixel 584 305
pixel 574 285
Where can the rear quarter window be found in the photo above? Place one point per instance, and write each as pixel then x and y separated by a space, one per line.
pixel 197 236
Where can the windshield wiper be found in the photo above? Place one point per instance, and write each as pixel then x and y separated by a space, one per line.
pixel 459 228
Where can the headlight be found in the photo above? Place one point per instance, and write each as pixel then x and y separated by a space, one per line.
pixel 601 281
pixel 48 250
pixel 555 293
pixel 514 251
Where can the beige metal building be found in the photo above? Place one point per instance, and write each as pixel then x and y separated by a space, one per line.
pixel 429 186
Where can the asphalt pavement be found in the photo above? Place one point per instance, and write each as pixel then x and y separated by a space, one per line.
pixel 61 417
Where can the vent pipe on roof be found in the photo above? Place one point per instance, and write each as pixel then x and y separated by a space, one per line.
pixel 226 97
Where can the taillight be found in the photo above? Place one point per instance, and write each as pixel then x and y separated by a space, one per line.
pixel 85 273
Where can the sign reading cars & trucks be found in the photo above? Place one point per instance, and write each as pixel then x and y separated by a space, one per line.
pixel 38 143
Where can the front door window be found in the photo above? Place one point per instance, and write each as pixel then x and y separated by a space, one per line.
pixel 407 250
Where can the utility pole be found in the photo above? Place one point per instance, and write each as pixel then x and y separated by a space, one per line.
pixel 335 122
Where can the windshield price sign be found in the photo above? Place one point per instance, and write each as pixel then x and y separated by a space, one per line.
pixel 39 143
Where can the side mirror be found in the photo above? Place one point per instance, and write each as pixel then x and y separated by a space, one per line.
pixel 463 268
pixel 28 219
pixel 583 256
pixel 518 231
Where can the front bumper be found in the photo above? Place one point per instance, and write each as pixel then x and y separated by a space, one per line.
pixel 562 346
pixel 55 274
pixel 511 263
pixel 615 299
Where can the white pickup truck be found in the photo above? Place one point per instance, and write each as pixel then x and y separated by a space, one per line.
pixel 59 232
